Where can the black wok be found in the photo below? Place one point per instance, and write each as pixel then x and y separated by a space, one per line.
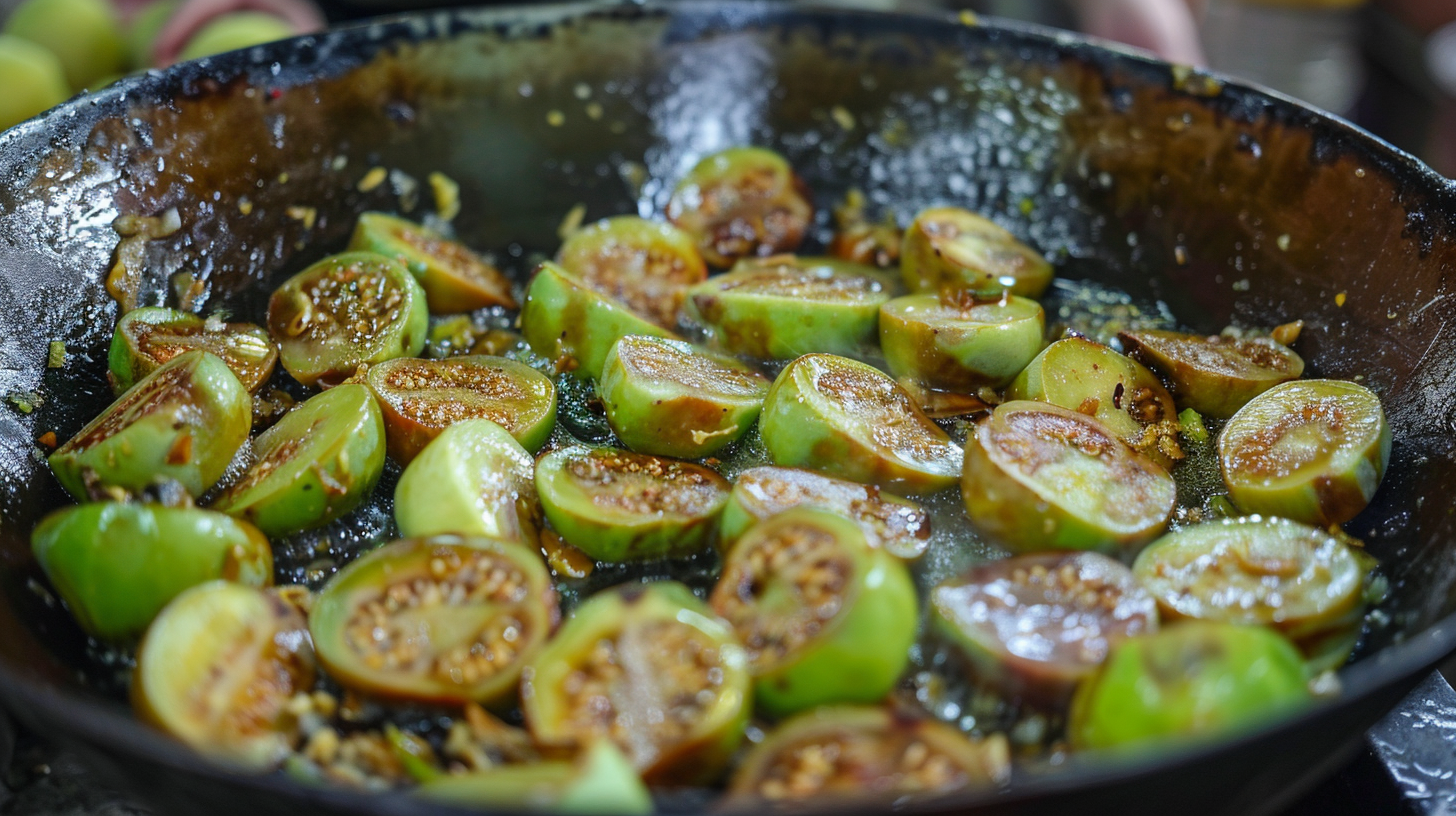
pixel 1223 201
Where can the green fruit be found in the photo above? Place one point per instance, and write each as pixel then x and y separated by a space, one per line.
pixel 473 479
pixel 185 421
pixel 1041 477
pixel 1330 647
pixel 1120 392
pixel 668 398
pixel 454 278
pixel 83 34
pixel 826 617
pixel 148 337
pixel 320 461
pixel 146 26
pixel 848 419
pixel 1215 376
pixel 1190 681
pixel 445 619
pixel 947 247
pixel 959 342
pixel 778 308
pixel 645 265
pixel 843 753
pixel 345 311
pixel 567 321
pixel 601 780
pixel 218 670
pixel 1310 450
pixel 421 398
pixel 740 202
pixel 619 506
pixel 1034 625
pixel 650 668
pixel 899 526
pixel 32 78
pixel 1273 572
pixel 234 31
pixel 116 564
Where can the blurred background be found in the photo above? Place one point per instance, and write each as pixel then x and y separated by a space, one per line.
pixel 1388 65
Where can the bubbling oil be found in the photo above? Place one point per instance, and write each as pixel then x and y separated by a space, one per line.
pixel 937 680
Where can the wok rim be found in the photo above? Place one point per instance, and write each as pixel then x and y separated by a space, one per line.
pixel 103 726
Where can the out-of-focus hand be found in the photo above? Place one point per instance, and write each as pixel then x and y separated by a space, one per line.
pixel 1165 27
pixel 302 15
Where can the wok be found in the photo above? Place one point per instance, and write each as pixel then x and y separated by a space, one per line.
pixel 1226 202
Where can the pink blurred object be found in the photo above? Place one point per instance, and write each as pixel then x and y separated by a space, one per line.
pixel 1164 27
pixel 192 15
pixel 1311 52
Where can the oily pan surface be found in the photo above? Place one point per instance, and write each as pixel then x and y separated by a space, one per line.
pixel 1224 204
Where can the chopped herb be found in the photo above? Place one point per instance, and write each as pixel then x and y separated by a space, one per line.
pixel 1221 507
pixel 25 401
pixel 1190 424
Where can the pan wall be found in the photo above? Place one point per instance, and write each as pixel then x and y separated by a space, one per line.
pixel 1106 163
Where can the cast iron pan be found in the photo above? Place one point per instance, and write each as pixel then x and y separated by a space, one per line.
pixel 1227 203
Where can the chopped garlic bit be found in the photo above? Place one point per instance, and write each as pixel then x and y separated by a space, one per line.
pixel 447 196
pixel 372 179
pixel 406 187
pixel 148 226
pixel 572 222
pixel 308 215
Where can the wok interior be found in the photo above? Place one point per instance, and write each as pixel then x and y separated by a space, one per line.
pixel 1223 203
